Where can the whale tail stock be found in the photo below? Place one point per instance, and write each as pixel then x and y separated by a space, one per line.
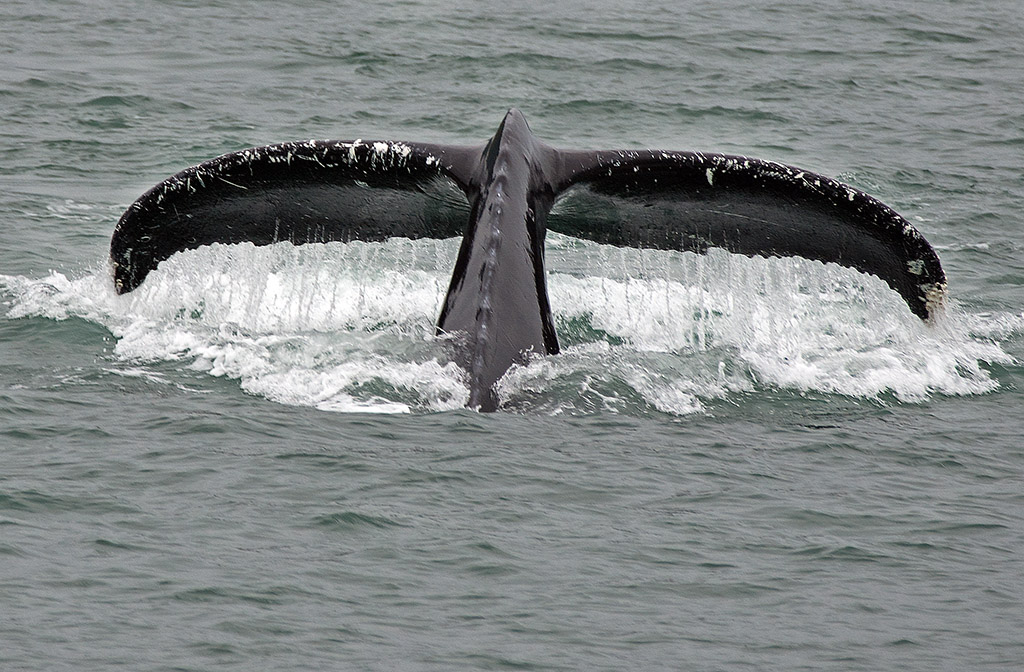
pixel 501 197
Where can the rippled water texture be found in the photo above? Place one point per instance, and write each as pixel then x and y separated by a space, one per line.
pixel 260 459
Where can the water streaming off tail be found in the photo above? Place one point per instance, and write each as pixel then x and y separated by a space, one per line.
pixel 350 327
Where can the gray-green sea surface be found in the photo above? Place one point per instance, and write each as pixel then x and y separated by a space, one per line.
pixel 260 459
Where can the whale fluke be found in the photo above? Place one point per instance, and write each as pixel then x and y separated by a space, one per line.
pixel 501 197
pixel 302 192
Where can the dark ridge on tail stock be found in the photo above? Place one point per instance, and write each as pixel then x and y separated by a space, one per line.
pixel 499 197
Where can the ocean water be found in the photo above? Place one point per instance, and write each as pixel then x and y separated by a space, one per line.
pixel 261 460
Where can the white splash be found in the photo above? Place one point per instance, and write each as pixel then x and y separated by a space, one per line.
pixel 349 327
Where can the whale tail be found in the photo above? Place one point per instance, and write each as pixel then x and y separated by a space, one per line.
pixel 501 197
